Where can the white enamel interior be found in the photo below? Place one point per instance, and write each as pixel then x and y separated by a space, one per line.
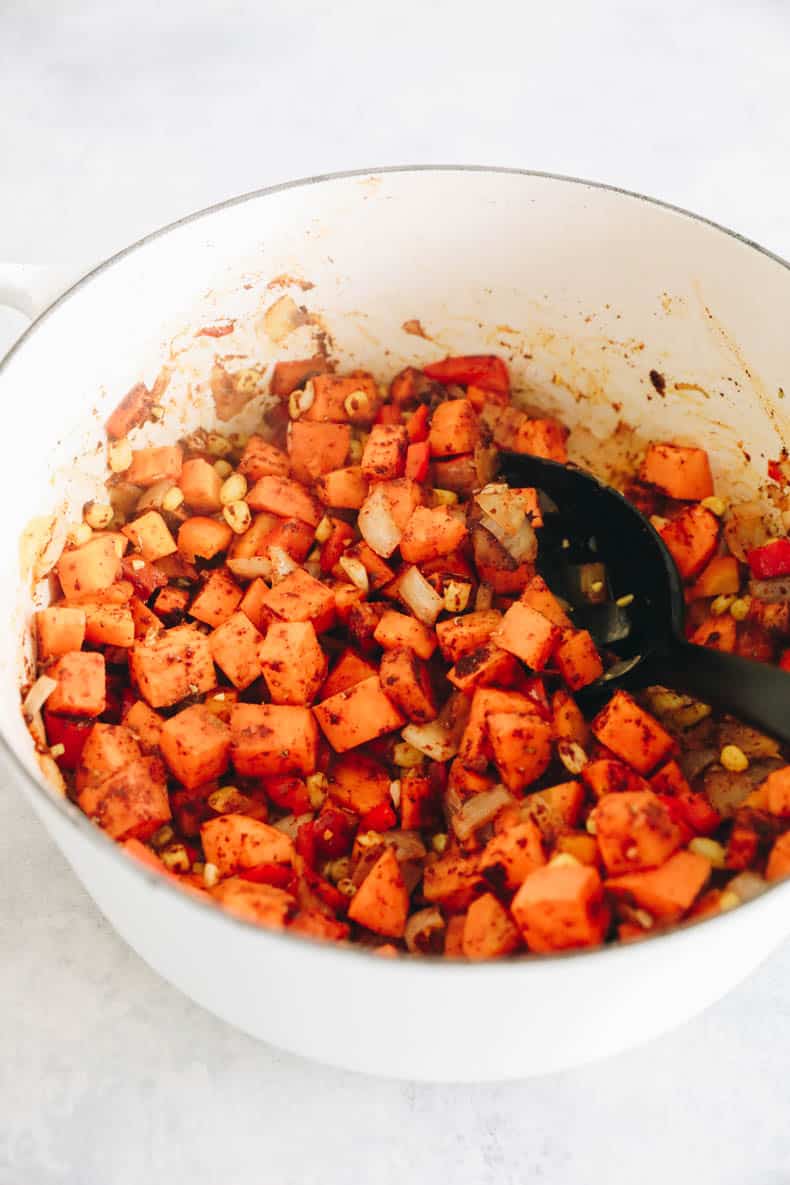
pixel 584 290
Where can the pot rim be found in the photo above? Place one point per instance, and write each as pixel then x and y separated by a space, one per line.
pixel 426 964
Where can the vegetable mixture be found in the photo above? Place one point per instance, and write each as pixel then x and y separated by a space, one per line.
pixel 319 677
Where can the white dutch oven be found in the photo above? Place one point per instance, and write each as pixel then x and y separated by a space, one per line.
pixel 585 290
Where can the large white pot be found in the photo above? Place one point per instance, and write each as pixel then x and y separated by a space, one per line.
pixel 586 290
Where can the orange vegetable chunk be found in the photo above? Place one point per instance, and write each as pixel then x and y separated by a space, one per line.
pixel 634 831
pixel 300 597
pixel 509 857
pixel 381 903
pixel 236 842
pixel 88 569
pixel 284 497
pixel 260 459
pixel 489 930
pixel 537 595
pixel 315 449
pixel 350 668
pixel 406 681
pixel 691 539
pixel 431 532
pixel 203 538
pixel 343 489
pixel 527 634
pixel 108 748
pixel 272 739
pixel 145 723
pixel 235 648
pixel 264 905
pixel 458 635
pixel 454 429
pixel 632 733
pixel 293 663
pixel 398 629
pixel 682 473
pixel 132 801
pixel 521 745
pixel 578 659
pixel 217 600
pixel 195 744
pixel 200 484
pixel 59 629
pixel 356 715
pixel 384 455
pixel 776 789
pixel 149 533
pixel 561 906
pixel 109 625
pixel 666 892
pixel 778 865
pixel 81 684
pixel 152 465
pixel 359 782
pixel 168 668
pixel 131 412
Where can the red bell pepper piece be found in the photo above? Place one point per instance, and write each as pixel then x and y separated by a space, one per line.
pixel 479 370
pixel 279 876
pixel 290 794
pixel 326 891
pixel 380 818
pixel 331 551
pixel 773 559
pixel 388 413
pixel 784 660
pixel 333 833
pixel 678 816
pixel 71 734
pixel 143 577
pixel 418 458
pixel 417 425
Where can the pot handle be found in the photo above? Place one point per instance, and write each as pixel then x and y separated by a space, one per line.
pixel 30 288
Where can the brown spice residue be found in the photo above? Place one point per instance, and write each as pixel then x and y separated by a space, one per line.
pixel 286 281
pixel 414 327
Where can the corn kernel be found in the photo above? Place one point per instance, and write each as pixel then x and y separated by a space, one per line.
pixel 223 468
pixel 162 837
pixel 563 860
pixel 157 412
pixel 224 800
pixel 346 887
pixel 444 497
pixel 572 756
pixel 590 826
pixel 58 751
pixel 721 604
pixel 406 756
pixel 662 700
pixel 456 596
pixel 197 867
pixel 395 792
pixel 596 586
pixel 355 452
pixel 210 874
pixel 355 403
pixel 625 601
pixel 643 919
pixel 172 499
pixel 316 790
pixel 79 534
pixel 324 529
pixel 566 544
pixel 217 444
pixel 98 515
pixel 729 900
pixel 690 715
pixel 369 839
pixel 238 516
pixel 734 759
pixel 715 505
pixel 233 489
pixel 176 858
pixel 439 842
pixel 338 870
pixel 119 455
pixel 739 609
pixel 710 850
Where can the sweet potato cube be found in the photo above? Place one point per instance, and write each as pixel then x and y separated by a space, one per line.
pixel 691 539
pixel 537 595
pixel 359 783
pixel 453 881
pixel 168 668
pixel 555 809
pixel 350 668
pixel 291 375
pixel 170 604
pixel 384 455
pixel 272 739
pixel 634 831
pixel 431 532
pixel 454 936
pixel 293 663
pixel 378 572
pixel 131 412
pixel 235 647
pixel 720 578
pixel 454 429
pixel 381 903
pixel 144 618
pixel 253 604
pixel 475 750
pixel 145 723
pixel 300 597
pixel 541 438
pixel 527 634
pixel 631 733
pixel 776 788
pixel 509 857
pixel 666 892
pixel 419 801
pixel 458 635
pixel 717 633
pixel 109 625
pixel 561 906
pixel 521 745
pixel 489 930
pixel 682 473
pixel 150 535
pixel 607 776
pixel 778 865
pixel 195 744
pixel 343 489
pixel 578 659
pixel 200 484
pixel 331 392
pixel 152 465
pixel 316 448
pixel 403 496
pixel 132 801
pixel 486 665
pixel 568 719
pixel 202 538
pixel 218 599
pixel 59 630
pixel 396 630
pixel 108 748
pixel 88 569
pixel 81 684
pixel 263 905
pixel 260 459
pixel 286 498
pixel 406 681
pixel 236 842
pixel 356 715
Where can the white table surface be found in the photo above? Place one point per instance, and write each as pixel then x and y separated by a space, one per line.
pixel 118 117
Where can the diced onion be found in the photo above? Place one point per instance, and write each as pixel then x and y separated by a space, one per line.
pixel 376 524
pixel 440 738
pixel 250 568
pixel 290 824
pixel 521 544
pixel 356 572
pixel 421 597
pixel 421 927
pixel 775 590
pixel 282 563
pixel 498 502
pixel 479 810
pixel 38 695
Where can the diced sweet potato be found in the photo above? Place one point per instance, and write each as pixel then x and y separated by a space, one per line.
pixel 454 429
pixel 168 668
pixel 108 748
pixel 378 572
pixel 384 455
pixel 555 809
pixel 284 497
pixel 272 739
pixel 682 473
pixel 581 846
pixel 332 391
pixel 396 630
pixel 489 930
pixel 317 448
pixel 568 719
pixel 561 906
pixel 406 681
pixel 132 801
pixel 289 376
pixel 778 865
pixel 359 783
pixel 109 625
pixel 81 684
pixel 509 857
pixel 293 663
pixel 475 751
pixel 131 412
pixel 538 596
pixel 235 648
pixel 458 635
pixel 666 892
pixel 145 724
pixel 521 746
pixel 300 597
pixel 381 903
pixel 607 776
pixel 719 578
pixel 716 632
pixel 419 805
pixel 453 881
pixel 691 539
pixel 218 599
pixel 253 604
pixel 528 634
pixel 631 733
pixel 634 831
pixel 541 438
pixel 350 668
pixel 202 538
pixel 263 905
pixel 485 371
pixel 152 465
pixel 776 789
pixel 403 496
pixel 356 715
pixel 486 665
pixel 59 629
pixel 235 842
pixel 262 459
pixel 144 618
pixel 200 484
pixel 195 744
pixel 432 532
pixel 343 489
pixel 578 659
pixel 170 605
pixel 86 570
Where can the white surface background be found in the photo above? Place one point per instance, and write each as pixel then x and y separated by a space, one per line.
pixel 118 117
